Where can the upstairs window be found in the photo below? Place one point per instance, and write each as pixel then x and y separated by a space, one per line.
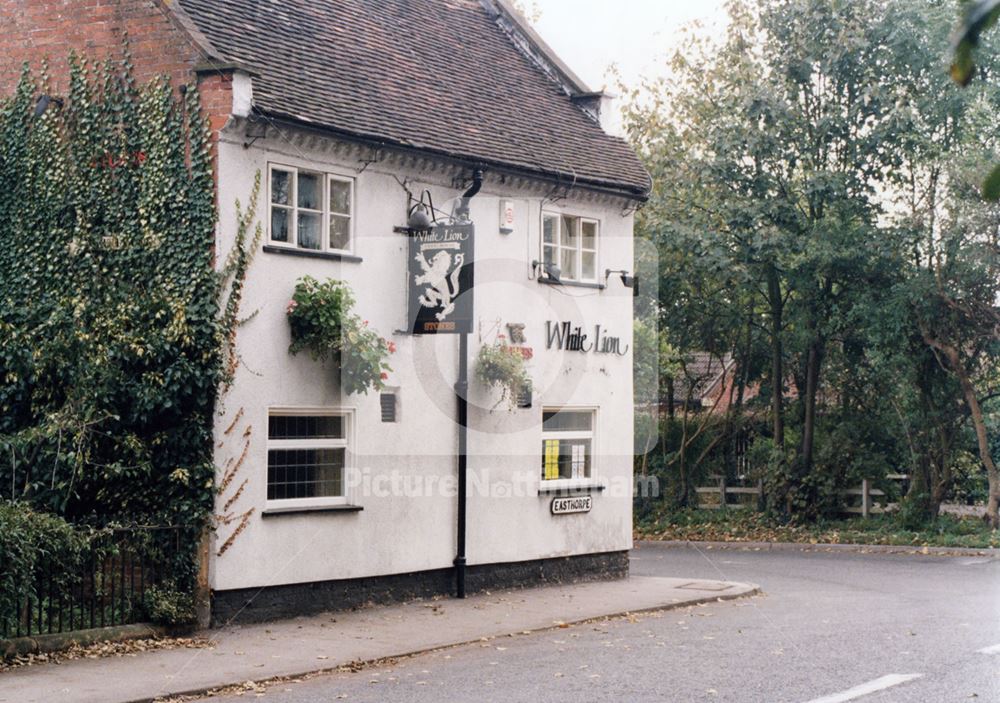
pixel 567 443
pixel 310 210
pixel 570 243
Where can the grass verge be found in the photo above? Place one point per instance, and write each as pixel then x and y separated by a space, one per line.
pixel 747 526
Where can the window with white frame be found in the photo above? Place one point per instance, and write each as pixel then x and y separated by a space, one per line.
pixel 310 210
pixel 567 443
pixel 306 456
pixel 570 243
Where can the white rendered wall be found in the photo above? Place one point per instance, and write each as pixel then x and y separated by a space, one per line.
pixel 399 533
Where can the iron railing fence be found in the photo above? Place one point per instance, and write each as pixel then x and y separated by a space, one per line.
pixel 108 587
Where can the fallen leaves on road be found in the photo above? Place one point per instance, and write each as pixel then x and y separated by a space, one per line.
pixel 99 650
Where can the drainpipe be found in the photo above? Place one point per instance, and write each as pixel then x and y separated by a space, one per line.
pixel 462 210
pixel 461 395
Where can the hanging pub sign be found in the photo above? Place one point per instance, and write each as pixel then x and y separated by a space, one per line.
pixel 440 279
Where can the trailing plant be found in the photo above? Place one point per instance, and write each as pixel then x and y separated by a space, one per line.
pixel 501 366
pixel 322 323
pixel 233 278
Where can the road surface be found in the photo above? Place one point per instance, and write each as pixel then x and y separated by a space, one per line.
pixel 830 628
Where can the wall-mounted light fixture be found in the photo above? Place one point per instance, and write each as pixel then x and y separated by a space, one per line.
pixel 421 215
pixel 256 128
pixel 43 104
pixel 419 220
pixel 628 280
pixel 552 271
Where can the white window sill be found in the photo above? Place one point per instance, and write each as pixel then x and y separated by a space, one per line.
pixel 544 280
pixel 571 485
pixel 301 509
pixel 311 253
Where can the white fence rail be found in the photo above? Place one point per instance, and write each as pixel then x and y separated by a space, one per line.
pixel 722 493
pixel 873 500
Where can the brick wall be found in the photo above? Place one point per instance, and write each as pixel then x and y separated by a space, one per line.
pixel 36 30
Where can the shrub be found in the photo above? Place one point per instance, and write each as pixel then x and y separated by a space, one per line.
pixel 33 544
pixel 969 482
pixel 165 605
pixel 322 323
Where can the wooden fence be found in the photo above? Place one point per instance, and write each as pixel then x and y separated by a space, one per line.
pixel 722 491
pixel 873 500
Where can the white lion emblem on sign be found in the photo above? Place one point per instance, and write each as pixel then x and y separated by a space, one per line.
pixel 440 276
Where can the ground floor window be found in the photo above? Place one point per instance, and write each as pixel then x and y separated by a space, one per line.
pixel 306 456
pixel 567 443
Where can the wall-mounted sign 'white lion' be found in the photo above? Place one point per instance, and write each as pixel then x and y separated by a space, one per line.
pixel 440 276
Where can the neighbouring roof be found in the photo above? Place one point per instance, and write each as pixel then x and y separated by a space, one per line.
pixel 702 373
pixel 441 76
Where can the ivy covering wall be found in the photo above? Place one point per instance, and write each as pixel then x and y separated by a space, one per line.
pixel 111 342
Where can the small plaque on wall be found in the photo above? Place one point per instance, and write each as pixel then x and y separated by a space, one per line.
pixel 573 504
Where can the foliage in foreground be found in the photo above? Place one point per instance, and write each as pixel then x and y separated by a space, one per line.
pixel 116 332
pixel 109 334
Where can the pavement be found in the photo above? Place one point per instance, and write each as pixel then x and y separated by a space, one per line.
pixel 330 641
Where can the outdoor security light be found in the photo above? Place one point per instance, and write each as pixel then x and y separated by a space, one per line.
pixel 552 271
pixel 629 281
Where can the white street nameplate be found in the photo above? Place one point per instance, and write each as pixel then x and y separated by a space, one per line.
pixel 575 504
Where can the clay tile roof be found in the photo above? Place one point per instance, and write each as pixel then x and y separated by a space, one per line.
pixel 441 76
pixel 702 372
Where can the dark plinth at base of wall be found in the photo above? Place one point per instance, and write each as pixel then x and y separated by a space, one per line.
pixel 246 605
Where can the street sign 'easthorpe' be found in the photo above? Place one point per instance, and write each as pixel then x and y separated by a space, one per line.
pixel 440 280
pixel 574 504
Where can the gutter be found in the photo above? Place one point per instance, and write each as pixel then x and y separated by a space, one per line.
pixel 639 194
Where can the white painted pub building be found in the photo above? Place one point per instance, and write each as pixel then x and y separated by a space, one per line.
pixel 351 112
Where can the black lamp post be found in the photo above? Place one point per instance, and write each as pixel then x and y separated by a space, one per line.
pixel 421 220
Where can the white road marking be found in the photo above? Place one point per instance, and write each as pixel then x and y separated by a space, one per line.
pixel 995 649
pixel 867 688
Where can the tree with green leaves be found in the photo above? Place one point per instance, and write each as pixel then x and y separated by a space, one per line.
pixel 804 179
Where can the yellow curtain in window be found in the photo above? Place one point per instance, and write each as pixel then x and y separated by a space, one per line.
pixel 551 459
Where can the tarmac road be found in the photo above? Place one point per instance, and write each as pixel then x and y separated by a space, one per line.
pixel 832 627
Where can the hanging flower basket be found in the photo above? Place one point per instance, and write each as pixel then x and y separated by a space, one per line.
pixel 501 366
pixel 322 323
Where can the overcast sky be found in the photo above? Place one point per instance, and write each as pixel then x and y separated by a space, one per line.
pixel 590 35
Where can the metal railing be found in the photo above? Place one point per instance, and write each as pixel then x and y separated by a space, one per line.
pixel 108 588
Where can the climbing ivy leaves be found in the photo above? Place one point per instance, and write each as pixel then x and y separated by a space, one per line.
pixel 110 333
